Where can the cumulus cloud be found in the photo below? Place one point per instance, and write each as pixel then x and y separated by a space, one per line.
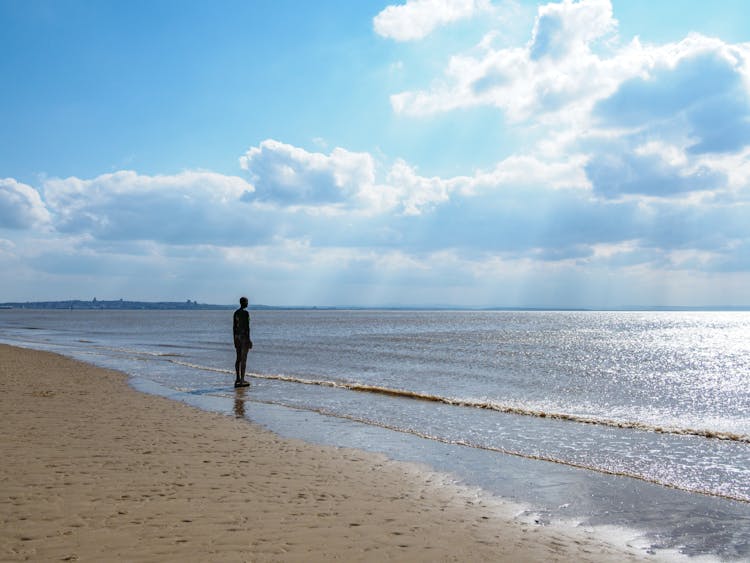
pixel 479 231
pixel 289 175
pixel 526 207
pixel 556 69
pixel 417 193
pixel 341 181
pixel 573 72
pixel 702 93
pixel 567 28
pixel 21 207
pixel 418 18
pixel 672 129
pixel 190 206
pixel 648 144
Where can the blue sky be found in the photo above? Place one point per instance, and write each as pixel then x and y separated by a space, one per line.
pixel 424 152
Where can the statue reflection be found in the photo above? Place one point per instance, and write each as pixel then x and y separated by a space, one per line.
pixel 239 403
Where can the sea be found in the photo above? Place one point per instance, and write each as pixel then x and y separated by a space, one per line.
pixel 631 421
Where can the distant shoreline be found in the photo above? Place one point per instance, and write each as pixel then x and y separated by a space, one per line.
pixel 120 304
pixel 189 305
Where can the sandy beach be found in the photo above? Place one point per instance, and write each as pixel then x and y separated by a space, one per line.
pixel 94 470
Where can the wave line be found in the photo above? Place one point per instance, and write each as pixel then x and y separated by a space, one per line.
pixel 490 405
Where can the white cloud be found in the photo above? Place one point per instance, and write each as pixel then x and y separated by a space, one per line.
pixel 736 168
pixel 541 209
pixel 634 124
pixel 557 69
pixel 571 63
pixel 289 175
pixel 183 207
pixel 21 207
pixel 418 18
pixel 568 28
pixel 417 193
pixel 343 182
pixel 340 182
pixel 529 170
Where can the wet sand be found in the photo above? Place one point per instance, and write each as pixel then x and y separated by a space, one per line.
pixel 93 470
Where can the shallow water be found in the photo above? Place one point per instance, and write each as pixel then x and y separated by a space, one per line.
pixel 639 419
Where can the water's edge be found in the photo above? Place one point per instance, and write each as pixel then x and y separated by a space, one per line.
pixel 314 428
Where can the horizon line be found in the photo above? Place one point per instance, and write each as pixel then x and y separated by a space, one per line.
pixel 189 303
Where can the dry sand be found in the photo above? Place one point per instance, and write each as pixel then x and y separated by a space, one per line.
pixel 93 470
